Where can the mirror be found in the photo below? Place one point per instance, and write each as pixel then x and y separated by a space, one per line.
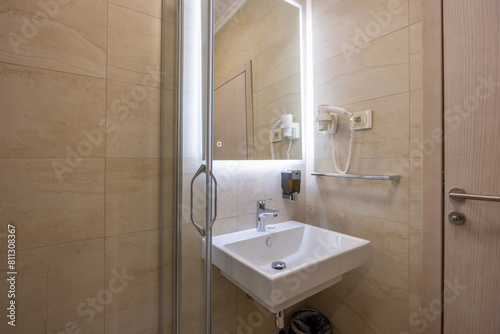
pixel 257 79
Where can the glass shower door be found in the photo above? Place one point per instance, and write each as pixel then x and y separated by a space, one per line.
pixel 195 185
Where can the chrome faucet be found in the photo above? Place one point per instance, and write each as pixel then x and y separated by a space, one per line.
pixel 262 212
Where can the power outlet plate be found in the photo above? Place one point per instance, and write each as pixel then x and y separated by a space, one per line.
pixel 362 120
pixel 277 135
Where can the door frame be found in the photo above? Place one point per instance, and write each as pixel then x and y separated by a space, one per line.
pixel 433 164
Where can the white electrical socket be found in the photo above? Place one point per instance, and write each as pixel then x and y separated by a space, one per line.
pixel 362 120
pixel 277 135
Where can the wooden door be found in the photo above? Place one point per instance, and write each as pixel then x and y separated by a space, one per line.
pixel 233 116
pixel 471 295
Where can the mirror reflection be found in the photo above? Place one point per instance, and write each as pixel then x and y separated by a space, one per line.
pixel 257 80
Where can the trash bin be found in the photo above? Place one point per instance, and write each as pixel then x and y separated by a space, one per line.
pixel 309 321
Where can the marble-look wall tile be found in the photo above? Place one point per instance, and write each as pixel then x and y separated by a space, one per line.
pixel 225 225
pixel 132 188
pixel 416 31
pixel 137 254
pixel 48 295
pixel 358 305
pixel 193 265
pixel 415 11
pixel 379 69
pixel 251 316
pixel 167 279
pixel 193 310
pixel 226 173
pixel 133 113
pixel 91 327
pixel 50 114
pixel 277 62
pixel 255 318
pixel 415 319
pixel 168 146
pixel 262 7
pixel 386 200
pixel 416 122
pixel 415 268
pixel 134 47
pixel 319 7
pixel 169 194
pixel 48 212
pixel 149 7
pixel 389 243
pixel 257 182
pixel 169 55
pixel 68 37
pixel 224 306
pixel 416 74
pixel 170 10
pixel 356 23
pixel 389 137
pixel 275 25
pixel 234 44
pixel 416 191
pixel 142 319
pixel 282 97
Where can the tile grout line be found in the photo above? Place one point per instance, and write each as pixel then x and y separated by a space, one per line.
pixel 359 215
pixel 85 240
pixel 105 77
pixel 361 46
pixel 52 70
pixel 136 11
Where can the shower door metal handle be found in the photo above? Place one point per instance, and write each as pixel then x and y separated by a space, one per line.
pixel 214 218
pixel 200 229
pixel 460 195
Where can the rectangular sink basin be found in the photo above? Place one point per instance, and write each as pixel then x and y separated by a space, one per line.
pixel 308 259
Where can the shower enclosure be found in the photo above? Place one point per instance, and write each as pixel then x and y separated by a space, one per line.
pixel 188 186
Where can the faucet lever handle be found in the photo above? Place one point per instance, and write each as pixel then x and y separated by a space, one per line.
pixel 262 203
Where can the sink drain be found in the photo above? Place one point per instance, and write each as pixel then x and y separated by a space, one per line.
pixel 278 265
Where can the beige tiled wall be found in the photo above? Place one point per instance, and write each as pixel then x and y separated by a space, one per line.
pixel 79 162
pixel 368 55
pixel 267 33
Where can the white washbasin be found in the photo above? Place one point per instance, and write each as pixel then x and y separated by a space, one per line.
pixel 315 259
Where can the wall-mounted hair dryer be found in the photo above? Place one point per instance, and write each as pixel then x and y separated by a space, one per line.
pixel 290 130
pixel 327 117
pixel 327 122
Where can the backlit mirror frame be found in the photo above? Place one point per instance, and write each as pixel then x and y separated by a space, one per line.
pixel 300 117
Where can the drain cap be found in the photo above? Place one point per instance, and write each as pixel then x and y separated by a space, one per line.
pixel 278 265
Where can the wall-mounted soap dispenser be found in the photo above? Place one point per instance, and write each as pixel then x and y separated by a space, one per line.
pixel 290 183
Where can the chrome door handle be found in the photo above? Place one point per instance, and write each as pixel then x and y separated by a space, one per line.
pixel 460 195
pixel 201 230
